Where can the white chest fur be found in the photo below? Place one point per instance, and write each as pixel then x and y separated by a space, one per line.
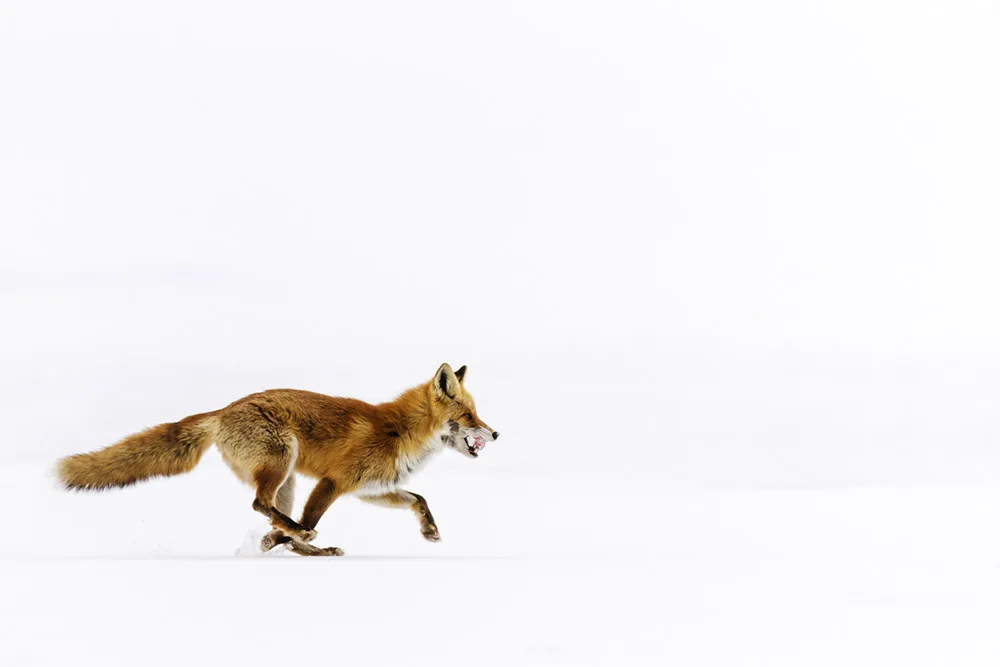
pixel 406 465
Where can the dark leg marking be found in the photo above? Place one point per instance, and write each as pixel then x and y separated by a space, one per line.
pixel 283 522
pixel 319 502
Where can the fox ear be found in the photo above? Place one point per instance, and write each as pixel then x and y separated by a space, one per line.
pixel 445 382
pixel 460 374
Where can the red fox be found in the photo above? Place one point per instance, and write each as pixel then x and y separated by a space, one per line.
pixel 348 445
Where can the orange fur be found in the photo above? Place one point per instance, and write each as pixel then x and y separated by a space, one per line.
pixel 350 445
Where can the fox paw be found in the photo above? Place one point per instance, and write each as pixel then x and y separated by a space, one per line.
pixel 431 533
pixel 269 541
pixel 273 539
pixel 331 551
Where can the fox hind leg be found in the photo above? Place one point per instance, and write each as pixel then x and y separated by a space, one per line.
pixel 255 443
pixel 268 481
pixel 283 501
pixel 286 495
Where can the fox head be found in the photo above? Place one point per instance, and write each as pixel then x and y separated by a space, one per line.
pixel 465 431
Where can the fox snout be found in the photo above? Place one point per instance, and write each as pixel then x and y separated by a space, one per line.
pixel 475 439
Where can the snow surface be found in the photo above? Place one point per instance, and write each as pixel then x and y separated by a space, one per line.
pixel 531 570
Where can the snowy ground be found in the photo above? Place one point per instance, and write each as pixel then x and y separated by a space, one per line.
pixel 531 570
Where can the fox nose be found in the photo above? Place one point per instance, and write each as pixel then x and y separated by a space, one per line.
pixel 495 435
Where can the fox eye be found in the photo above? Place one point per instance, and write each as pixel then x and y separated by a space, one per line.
pixel 467 415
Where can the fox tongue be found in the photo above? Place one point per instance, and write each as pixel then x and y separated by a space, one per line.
pixel 477 443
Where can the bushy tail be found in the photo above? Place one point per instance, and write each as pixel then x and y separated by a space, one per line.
pixel 167 449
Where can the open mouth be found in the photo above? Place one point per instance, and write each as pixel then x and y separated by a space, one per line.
pixel 475 444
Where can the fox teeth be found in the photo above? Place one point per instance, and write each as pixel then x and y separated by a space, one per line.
pixel 474 443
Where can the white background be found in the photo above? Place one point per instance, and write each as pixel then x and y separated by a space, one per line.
pixel 724 275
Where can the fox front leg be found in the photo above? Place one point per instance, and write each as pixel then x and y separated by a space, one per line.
pixel 414 502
